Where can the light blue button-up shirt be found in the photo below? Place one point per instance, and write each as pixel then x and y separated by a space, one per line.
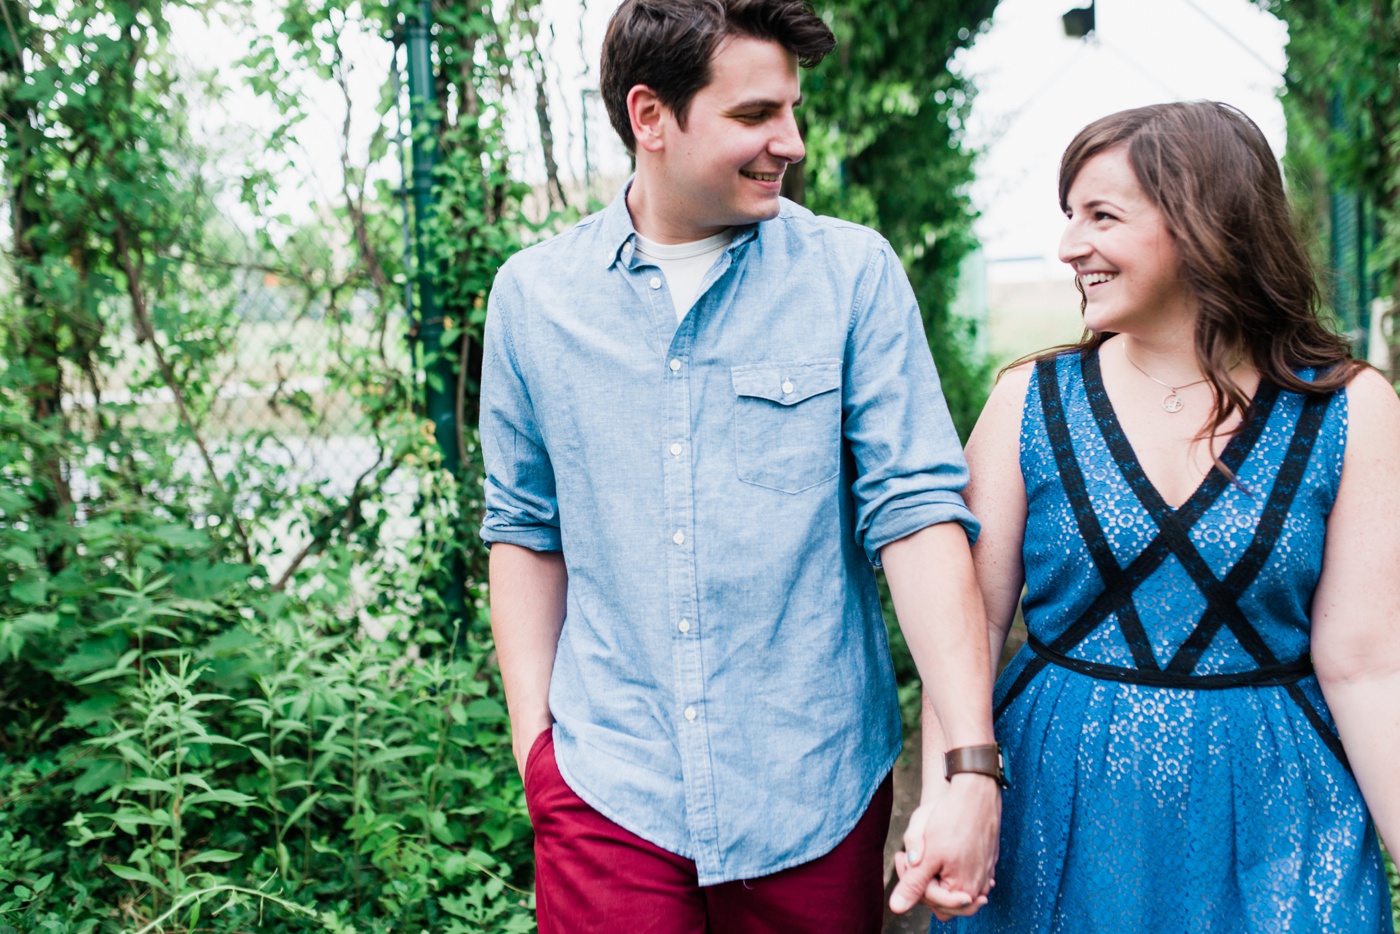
pixel 720 490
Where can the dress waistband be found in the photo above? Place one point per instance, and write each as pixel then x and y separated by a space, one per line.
pixel 1266 676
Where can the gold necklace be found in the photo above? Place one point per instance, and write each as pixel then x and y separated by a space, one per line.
pixel 1172 401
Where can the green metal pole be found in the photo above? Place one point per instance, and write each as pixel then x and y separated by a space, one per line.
pixel 1348 246
pixel 440 361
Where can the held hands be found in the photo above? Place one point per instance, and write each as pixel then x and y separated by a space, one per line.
pixel 950 848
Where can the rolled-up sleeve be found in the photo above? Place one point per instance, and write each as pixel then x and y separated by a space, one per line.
pixel 909 463
pixel 521 503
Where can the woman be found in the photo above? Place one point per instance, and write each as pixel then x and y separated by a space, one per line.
pixel 1203 501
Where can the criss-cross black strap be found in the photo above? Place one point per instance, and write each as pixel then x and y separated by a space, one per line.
pixel 1119 583
pixel 1173 538
pixel 1085 517
pixel 1220 596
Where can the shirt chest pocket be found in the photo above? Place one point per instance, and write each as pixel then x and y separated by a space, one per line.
pixel 787 423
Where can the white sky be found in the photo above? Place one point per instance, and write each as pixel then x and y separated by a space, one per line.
pixel 1035 90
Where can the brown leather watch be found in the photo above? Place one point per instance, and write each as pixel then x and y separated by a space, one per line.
pixel 984 760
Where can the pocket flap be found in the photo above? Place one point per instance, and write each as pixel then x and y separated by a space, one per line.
pixel 786 383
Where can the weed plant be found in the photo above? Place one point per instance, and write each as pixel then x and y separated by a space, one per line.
pixel 187 749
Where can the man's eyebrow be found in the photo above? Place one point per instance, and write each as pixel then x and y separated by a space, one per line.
pixel 761 103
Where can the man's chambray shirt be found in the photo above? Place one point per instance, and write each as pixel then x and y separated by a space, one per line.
pixel 719 490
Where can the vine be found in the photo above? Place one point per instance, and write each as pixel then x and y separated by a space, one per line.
pixel 1341 93
pixel 883 118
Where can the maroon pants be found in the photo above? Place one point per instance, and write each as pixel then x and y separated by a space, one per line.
pixel 593 876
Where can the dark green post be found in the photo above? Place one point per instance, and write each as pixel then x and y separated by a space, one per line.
pixel 1347 249
pixel 439 360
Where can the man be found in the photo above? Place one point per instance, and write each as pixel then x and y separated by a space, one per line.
pixel 706 415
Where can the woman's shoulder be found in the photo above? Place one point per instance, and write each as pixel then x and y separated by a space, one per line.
pixel 1018 375
pixel 1372 405
pixel 1009 391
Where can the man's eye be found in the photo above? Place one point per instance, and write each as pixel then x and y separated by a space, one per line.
pixel 750 117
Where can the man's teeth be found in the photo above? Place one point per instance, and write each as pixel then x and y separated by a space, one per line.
pixel 1097 278
pixel 761 176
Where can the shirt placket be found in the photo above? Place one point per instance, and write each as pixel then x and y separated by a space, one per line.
pixel 682 610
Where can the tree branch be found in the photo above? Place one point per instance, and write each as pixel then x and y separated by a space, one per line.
pixel 145 329
pixel 351 508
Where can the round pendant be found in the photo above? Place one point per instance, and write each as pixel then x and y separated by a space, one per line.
pixel 1172 402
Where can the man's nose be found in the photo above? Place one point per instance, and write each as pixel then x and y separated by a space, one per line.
pixel 787 141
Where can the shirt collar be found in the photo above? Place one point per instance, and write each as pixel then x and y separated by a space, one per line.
pixel 616 227
pixel 618 232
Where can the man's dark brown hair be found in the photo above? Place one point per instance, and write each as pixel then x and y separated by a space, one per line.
pixel 667 45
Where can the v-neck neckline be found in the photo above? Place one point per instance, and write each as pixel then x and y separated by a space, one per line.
pixel 1232 456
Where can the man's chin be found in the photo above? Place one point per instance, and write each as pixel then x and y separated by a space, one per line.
pixel 755 213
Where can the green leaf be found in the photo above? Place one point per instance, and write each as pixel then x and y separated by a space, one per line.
pixel 135 875
pixel 437 824
pixel 486 708
pixel 213 856
pixel 96 709
pixel 301 811
pixel 149 784
pixel 102 773
pixel 31 589
pixel 222 796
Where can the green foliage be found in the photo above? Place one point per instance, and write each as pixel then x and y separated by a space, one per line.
pixel 1394 877
pixel 1341 95
pixel 883 119
pixel 285 769
pixel 229 699
pixel 232 695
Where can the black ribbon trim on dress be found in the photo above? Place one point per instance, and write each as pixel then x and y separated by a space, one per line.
pixel 1173 537
pixel 1119 583
pixel 1272 676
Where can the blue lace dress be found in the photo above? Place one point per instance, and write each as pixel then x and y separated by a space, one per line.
pixel 1174 765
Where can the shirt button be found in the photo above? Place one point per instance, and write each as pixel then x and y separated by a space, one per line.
pixel 690 713
pixel 675 365
pixel 679 537
pixel 684 625
pixel 655 282
pixel 787 388
pixel 676 450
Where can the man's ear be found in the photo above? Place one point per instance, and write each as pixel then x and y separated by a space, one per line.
pixel 648 116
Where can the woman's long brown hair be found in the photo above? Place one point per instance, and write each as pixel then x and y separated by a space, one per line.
pixel 1207 167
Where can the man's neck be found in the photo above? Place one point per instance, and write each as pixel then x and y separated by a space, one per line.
pixel 658 221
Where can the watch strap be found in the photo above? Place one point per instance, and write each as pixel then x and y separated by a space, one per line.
pixel 984 760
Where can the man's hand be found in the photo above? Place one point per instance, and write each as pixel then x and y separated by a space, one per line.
pixel 521 742
pixel 951 842
pixel 950 848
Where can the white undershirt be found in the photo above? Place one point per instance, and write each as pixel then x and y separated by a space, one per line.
pixel 685 265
